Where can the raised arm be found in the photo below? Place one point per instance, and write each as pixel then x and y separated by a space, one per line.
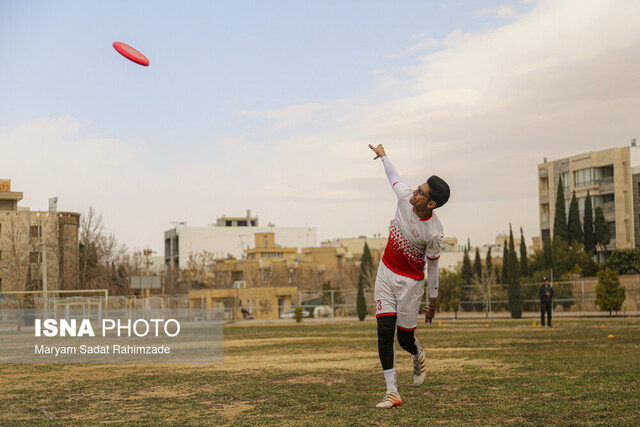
pixel 389 169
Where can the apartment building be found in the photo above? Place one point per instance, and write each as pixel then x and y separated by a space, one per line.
pixel 612 178
pixel 38 250
pixel 228 237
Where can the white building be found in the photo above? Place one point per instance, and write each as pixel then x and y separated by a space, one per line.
pixel 228 237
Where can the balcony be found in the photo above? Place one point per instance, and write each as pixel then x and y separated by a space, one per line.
pixel 609 207
pixel 544 198
pixel 606 185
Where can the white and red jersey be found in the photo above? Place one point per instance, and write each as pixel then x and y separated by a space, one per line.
pixel 411 239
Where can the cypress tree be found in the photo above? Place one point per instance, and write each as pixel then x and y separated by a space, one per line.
pixel 477 265
pixel 524 264
pixel 601 229
pixel 467 270
pixel 361 303
pixel 513 280
pixel 365 278
pixel 573 226
pixel 488 263
pixel 547 254
pixel 589 236
pixel 505 263
pixel 366 267
pixel 560 231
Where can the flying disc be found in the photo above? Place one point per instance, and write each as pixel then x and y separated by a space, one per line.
pixel 130 53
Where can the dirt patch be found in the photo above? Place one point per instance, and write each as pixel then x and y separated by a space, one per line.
pixel 234 409
pixel 277 341
pixel 311 379
pixel 352 361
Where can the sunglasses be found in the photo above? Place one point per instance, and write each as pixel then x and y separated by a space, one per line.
pixel 420 192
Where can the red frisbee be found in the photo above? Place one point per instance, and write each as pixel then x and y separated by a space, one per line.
pixel 130 53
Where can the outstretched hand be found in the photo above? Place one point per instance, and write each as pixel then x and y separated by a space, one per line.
pixel 429 313
pixel 378 150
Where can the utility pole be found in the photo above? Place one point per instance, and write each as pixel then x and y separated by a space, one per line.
pixel 43 231
pixel 147 253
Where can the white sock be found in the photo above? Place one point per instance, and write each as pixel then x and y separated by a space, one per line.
pixel 390 378
pixel 417 357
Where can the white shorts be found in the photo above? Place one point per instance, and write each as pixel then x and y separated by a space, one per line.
pixel 398 295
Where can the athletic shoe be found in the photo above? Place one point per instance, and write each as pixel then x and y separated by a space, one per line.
pixel 391 399
pixel 419 369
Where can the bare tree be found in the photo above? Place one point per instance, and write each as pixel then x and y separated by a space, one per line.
pixel 199 271
pixel 14 265
pixel 481 287
pixel 103 260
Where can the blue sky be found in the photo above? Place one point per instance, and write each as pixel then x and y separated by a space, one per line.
pixel 269 106
pixel 208 61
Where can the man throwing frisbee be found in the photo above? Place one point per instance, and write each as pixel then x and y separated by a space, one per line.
pixel 414 242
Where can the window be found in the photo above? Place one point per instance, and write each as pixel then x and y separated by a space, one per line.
pixel 0 284
pixel 544 187
pixel 167 247
pixel 35 257
pixel 612 230
pixel 593 176
pixel 228 223
pixel 0 256
pixel 242 223
pixel 35 231
pixel 266 242
pixel 545 213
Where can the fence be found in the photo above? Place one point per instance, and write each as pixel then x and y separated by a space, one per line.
pixel 92 307
pixel 575 298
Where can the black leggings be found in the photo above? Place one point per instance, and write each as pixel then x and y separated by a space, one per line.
pixel 386 350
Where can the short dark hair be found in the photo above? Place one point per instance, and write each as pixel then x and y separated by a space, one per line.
pixel 438 190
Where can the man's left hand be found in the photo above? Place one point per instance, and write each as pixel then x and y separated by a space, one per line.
pixel 429 313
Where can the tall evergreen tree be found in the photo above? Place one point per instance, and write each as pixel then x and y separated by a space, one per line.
pixel 524 264
pixel 477 265
pixel 366 267
pixel 513 280
pixel 365 279
pixel 560 231
pixel 601 229
pixel 467 270
pixel 505 263
pixel 547 254
pixel 573 225
pixel 589 236
pixel 488 263
pixel 361 303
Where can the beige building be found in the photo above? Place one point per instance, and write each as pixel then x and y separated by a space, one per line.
pixel 610 176
pixel 354 246
pixel 38 250
pixel 265 248
pixel 258 303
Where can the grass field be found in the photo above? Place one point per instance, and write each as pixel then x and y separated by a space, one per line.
pixel 314 374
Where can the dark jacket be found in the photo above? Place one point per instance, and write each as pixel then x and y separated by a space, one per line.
pixel 543 293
